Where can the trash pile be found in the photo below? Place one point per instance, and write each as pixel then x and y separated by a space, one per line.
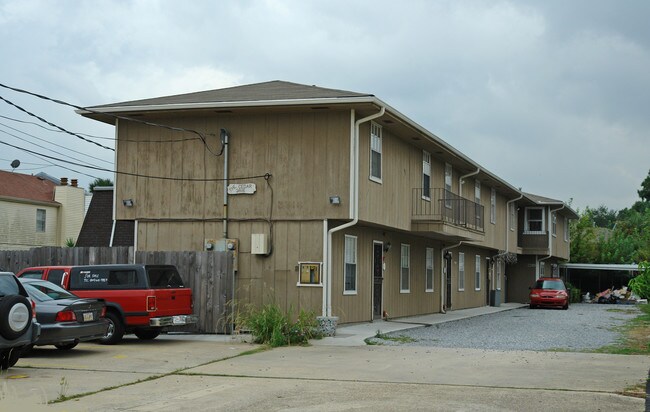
pixel 622 296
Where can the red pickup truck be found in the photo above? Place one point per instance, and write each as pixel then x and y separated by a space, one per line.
pixel 140 299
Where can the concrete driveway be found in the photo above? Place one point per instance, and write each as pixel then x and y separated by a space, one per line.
pixel 201 373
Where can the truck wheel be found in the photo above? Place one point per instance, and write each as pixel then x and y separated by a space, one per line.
pixel 147 334
pixel 9 357
pixel 115 330
pixel 16 316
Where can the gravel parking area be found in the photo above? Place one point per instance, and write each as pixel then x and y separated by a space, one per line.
pixel 581 327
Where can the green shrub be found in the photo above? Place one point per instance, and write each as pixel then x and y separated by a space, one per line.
pixel 575 293
pixel 640 284
pixel 270 326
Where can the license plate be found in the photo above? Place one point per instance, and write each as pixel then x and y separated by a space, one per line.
pixel 88 316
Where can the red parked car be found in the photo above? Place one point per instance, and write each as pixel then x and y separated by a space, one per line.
pixel 549 292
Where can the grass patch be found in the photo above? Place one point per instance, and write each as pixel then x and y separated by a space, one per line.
pixel 636 391
pixel 383 336
pixel 635 333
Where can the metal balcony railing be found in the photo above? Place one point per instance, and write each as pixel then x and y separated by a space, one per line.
pixel 443 205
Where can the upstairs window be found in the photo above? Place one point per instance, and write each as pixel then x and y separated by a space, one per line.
pixel 566 229
pixel 493 206
pixel 448 176
pixel 513 216
pixel 375 152
pixel 534 220
pixel 40 220
pixel 554 223
pixel 461 271
pixel 426 175
pixel 477 200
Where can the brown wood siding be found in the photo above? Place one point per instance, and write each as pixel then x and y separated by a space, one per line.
pixel 470 297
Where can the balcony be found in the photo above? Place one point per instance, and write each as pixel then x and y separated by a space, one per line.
pixel 533 242
pixel 447 214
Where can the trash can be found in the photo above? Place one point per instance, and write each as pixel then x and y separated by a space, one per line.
pixel 495 298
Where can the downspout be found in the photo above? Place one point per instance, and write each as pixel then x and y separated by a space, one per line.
pixel 224 142
pixel 548 227
pixel 354 200
pixel 443 280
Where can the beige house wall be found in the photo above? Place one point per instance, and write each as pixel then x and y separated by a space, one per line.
pixel 71 212
pixel 18 225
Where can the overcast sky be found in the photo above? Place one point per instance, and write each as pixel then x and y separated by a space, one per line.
pixel 552 96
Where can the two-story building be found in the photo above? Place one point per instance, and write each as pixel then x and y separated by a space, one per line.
pixel 333 200
pixel 35 212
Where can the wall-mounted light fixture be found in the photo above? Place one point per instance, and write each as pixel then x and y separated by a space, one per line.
pixel 387 247
pixel 335 200
pixel 127 202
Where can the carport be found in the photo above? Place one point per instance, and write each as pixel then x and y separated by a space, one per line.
pixel 594 277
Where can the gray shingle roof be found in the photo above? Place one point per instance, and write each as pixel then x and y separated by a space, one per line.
pixel 268 91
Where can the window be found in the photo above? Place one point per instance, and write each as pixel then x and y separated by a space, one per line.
pixel 534 220
pixel 513 216
pixel 404 279
pixel 429 269
pixel 426 175
pixel 493 206
pixel 477 200
pixel 477 277
pixel 566 229
pixel 40 220
pixel 448 176
pixel 554 223
pixel 461 271
pixel 350 265
pixel 498 269
pixel 375 152
pixel 542 269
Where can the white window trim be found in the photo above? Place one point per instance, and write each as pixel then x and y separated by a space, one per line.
pixel 375 126
pixel 526 222
pixel 429 253
pixel 38 229
pixel 356 272
pixel 449 186
pixel 461 271
pixel 426 171
pixel 408 267
pixel 477 273
pixel 542 270
pixel 477 191
pixel 513 216
pixel 493 206
pixel 554 224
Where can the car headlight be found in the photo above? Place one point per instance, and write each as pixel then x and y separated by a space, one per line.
pixel 534 295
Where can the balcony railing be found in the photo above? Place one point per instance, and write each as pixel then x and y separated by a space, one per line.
pixel 533 240
pixel 443 205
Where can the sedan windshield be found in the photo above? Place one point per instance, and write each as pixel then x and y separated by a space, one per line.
pixel 44 291
pixel 550 284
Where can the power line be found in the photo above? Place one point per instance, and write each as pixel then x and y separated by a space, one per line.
pixel 178 129
pixel 43 140
pixel 264 176
pixel 54 125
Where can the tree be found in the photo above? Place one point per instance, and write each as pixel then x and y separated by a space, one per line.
pixel 99 182
pixel 602 216
pixel 644 193
pixel 583 239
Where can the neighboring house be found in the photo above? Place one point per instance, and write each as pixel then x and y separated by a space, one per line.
pixel 337 202
pixel 35 212
pixel 99 228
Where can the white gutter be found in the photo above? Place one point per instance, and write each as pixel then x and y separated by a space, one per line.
pixel 443 280
pixel 461 180
pixel 354 181
pixel 548 227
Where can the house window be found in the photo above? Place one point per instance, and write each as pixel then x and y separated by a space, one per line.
pixel 477 200
pixel 404 279
pixel 498 269
pixel 448 176
pixel 513 216
pixel 461 271
pixel 375 152
pixel 477 277
pixel 350 265
pixel 542 269
pixel 426 175
pixel 566 229
pixel 310 274
pixel 534 220
pixel 40 220
pixel 554 223
pixel 429 269
pixel 493 206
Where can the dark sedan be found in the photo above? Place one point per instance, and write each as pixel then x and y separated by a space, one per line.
pixel 65 318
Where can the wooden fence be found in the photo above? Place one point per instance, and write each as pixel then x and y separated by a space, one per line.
pixel 209 274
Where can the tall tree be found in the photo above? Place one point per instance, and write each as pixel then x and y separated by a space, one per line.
pixel 644 193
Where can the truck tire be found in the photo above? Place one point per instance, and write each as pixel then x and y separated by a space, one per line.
pixel 15 316
pixel 9 357
pixel 147 334
pixel 115 329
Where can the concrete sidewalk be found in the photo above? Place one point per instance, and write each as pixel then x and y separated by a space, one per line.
pixel 355 334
